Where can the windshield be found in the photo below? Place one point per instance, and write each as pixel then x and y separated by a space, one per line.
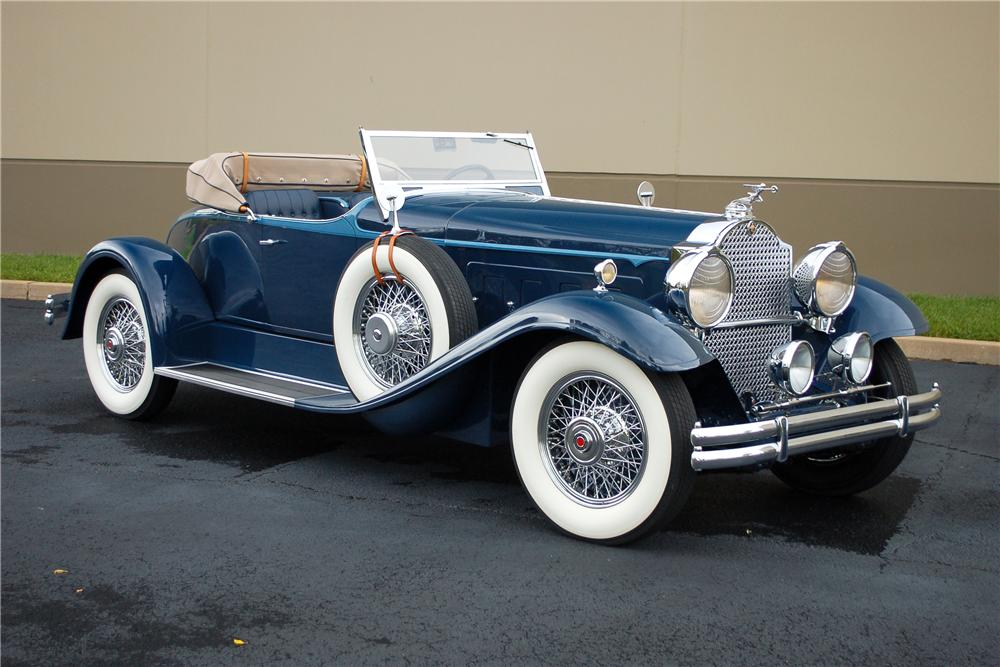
pixel 431 158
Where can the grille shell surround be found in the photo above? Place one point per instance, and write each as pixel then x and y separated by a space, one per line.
pixel 762 272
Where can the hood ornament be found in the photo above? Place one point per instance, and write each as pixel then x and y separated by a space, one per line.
pixel 742 208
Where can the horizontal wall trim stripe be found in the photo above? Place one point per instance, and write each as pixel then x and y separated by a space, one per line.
pixel 573 174
pixel 938 238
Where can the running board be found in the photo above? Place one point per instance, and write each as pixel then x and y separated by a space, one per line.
pixel 254 384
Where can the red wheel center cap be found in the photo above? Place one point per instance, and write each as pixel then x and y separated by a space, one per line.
pixel 581 442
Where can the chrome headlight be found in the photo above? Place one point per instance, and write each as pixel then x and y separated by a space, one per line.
pixel 853 355
pixel 701 284
pixel 793 366
pixel 826 277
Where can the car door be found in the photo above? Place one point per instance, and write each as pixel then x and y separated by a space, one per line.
pixel 301 263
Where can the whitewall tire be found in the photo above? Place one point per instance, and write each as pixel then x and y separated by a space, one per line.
pixel 116 351
pixel 601 446
pixel 384 332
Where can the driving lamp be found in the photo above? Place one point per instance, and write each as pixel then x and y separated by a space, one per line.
pixel 852 355
pixel 700 284
pixel 792 367
pixel 606 272
pixel 825 278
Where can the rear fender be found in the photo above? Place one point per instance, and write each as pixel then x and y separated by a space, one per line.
pixel 173 299
pixel 881 311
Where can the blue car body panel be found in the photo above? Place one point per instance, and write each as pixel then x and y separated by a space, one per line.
pixel 882 311
pixel 627 325
pixel 258 295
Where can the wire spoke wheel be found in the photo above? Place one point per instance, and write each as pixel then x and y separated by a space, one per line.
pixel 118 352
pixel 601 445
pixel 593 439
pixel 123 344
pixel 392 330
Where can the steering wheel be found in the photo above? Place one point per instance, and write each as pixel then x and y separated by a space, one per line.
pixel 490 176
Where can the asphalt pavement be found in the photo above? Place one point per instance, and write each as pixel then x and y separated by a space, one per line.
pixel 316 539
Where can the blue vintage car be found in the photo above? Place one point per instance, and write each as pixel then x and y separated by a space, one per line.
pixel 433 284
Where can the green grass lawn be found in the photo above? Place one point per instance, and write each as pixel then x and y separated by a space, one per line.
pixel 969 317
pixel 43 268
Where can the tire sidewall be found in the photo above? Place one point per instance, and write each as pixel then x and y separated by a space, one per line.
pixel 114 286
pixel 356 275
pixel 633 512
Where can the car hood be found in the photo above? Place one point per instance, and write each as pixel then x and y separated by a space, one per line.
pixel 514 218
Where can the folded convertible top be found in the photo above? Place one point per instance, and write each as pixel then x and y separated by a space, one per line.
pixel 220 180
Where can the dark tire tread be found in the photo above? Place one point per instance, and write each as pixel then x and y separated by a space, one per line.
pixel 860 470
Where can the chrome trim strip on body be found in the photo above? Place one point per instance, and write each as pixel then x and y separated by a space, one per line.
pixel 179 373
pixel 722 447
pixel 639 206
pixel 759 322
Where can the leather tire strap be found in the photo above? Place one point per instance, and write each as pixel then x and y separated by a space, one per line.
pixel 378 274
pixel 392 246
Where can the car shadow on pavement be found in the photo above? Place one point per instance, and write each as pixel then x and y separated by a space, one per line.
pixel 257 436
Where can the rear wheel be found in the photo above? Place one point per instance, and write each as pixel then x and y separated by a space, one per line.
pixel 843 473
pixel 116 351
pixel 601 446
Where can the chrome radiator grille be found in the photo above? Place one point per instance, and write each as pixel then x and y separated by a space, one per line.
pixel 761 267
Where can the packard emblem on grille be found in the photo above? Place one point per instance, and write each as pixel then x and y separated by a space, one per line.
pixel 742 208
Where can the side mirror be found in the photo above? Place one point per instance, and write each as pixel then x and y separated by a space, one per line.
pixel 390 199
pixel 646 193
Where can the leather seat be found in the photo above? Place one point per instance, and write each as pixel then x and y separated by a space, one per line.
pixel 285 203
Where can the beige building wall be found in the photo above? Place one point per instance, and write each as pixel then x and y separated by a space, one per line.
pixel 880 120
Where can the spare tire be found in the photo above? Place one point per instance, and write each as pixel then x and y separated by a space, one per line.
pixel 387 330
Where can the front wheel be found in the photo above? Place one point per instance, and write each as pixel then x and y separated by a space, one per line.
pixel 843 473
pixel 116 351
pixel 601 446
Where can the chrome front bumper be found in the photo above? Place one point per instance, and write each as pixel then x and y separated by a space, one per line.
pixel 766 441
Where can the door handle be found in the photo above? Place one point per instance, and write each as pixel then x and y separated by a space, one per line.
pixel 272 241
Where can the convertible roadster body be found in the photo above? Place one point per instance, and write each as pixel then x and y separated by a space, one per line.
pixel 434 284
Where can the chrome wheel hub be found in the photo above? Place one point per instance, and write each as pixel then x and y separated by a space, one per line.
pixel 593 439
pixel 584 441
pixel 392 330
pixel 123 344
pixel 380 333
pixel 114 343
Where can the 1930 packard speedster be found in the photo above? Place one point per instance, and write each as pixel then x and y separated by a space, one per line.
pixel 433 284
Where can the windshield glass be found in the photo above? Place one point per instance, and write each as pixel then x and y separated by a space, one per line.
pixel 454 159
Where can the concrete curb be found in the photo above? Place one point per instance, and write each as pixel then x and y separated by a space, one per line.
pixel 31 290
pixel 951 349
pixel 916 347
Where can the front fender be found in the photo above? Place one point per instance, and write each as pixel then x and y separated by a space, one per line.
pixel 881 311
pixel 628 325
pixel 173 299
pixel 631 327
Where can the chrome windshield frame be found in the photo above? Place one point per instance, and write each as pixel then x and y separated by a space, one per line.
pixel 454 185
